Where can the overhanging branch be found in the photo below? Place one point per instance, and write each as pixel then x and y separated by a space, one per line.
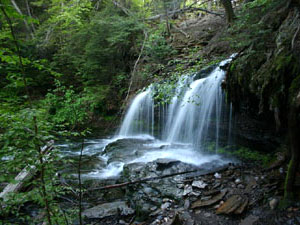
pixel 187 9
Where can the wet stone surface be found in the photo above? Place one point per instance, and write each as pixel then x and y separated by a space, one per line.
pixel 203 199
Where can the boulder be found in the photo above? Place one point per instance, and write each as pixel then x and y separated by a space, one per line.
pixel 108 209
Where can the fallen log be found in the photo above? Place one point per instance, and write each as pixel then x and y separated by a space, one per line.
pixel 198 172
pixel 26 174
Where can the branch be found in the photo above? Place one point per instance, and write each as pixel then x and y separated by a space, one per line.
pixel 136 63
pixel 179 11
pixel 294 37
pixel 29 14
pixel 20 12
pixel 125 10
pixel 181 31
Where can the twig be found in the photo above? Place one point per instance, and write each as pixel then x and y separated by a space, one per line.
pixel 181 31
pixel 294 37
pixel 135 64
pixel 178 11
pixel 125 10
pixel 20 12
pixel 65 217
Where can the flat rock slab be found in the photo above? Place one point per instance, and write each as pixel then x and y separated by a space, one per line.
pixel 213 200
pixel 236 204
pixel 108 209
pixel 249 220
pixel 163 164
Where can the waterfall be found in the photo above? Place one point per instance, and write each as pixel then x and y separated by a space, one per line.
pixel 193 116
pixel 139 118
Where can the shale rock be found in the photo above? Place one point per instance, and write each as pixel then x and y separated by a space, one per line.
pixel 215 199
pixel 108 209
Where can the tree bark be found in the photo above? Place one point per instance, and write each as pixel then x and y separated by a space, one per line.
pixel 228 10
pixel 25 22
pixel 294 139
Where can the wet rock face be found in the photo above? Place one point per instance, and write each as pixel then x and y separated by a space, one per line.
pixel 261 79
pixel 254 132
pixel 149 197
pixel 108 209
pixel 125 149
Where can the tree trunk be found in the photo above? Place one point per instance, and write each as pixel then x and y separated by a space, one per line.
pixel 228 10
pixel 20 12
pixel 294 139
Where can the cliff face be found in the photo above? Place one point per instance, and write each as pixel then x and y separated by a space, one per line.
pixel 264 80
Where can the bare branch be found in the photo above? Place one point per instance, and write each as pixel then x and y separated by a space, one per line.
pixel 179 11
pixel 20 12
pixel 136 64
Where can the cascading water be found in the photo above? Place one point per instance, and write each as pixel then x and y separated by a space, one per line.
pixel 190 119
pixel 177 131
pixel 140 116
pixel 196 116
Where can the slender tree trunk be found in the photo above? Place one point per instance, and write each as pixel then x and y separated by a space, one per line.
pixel 167 17
pixel 13 2
pixel 228 10
pixel 294 139
pixel 29 14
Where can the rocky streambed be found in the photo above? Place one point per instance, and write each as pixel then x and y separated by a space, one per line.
pixel 179 191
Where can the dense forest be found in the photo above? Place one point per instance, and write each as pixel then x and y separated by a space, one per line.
pixel 72 70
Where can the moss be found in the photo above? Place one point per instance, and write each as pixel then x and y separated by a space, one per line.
pixel 295 86
pixel 287 200
pixel 242 153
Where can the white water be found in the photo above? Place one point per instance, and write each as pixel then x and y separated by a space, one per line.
pixel 140 117
pixel 187 119
pixel 179 130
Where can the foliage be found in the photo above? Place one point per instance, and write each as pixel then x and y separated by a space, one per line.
pixel 19 148
pixel 65 106
pixel 243 153
pixel 157 48
pixel 250 26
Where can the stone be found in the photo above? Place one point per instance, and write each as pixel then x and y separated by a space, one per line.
pixel 166 200
pixel 207 197
pixel 215 199
pixel 211 192
pixel 153 208
pixel 249 220
pixel 238 181
pixel 199 184
pixel 241 186
pixel 273 203
pixel 236 204
pixel 217 176
pixel 195 193
pixel 216 185
pixel 163 164
pixel 165 206
pixel 186 204
pixel 207 214
pixel 122 222
pixel 187 189
pixel 180 186
pixel 108 209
